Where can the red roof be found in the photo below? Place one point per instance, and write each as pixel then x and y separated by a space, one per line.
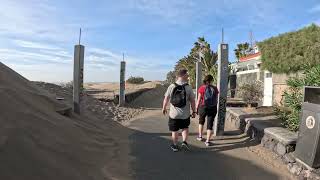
pixel 249 57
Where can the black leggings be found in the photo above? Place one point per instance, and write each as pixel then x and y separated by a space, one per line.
pixel 210 113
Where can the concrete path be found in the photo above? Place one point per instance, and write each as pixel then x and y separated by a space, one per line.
pixel 227 159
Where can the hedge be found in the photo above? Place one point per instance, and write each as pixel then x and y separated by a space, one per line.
pixel 292 51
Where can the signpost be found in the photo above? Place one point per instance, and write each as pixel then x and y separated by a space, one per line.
pixel 223 88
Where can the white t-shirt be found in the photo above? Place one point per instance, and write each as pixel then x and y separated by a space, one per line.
pixel 176 112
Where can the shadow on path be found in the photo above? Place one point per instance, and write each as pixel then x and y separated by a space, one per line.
pixel 154 160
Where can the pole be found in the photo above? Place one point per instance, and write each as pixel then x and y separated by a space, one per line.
pixel 222 36
pixel 80 37
pixel 198 74
pixel 122 97
pixel 223 88
pixel 78 77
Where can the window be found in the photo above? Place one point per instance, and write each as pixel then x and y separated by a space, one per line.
pixel 268 75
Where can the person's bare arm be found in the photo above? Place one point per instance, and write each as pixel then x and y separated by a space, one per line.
pixel 165 104
pixel 193 105
pixel 198 101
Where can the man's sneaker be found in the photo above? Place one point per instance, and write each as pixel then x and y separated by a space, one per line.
pixel 185 146
pixel 208 143
pixel 199 138
pixel 174 148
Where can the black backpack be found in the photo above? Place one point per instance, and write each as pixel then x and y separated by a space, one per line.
pixel 210 97
pixel 179 96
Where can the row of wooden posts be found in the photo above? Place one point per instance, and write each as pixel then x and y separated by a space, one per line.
pixel 222 82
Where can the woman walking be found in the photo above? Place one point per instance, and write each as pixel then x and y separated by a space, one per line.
pixel 207 107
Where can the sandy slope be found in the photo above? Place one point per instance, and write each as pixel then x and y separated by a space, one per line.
pixel 151 99
pixel 104 110
pixel 108 90
pixel 115 86
pixel 38 143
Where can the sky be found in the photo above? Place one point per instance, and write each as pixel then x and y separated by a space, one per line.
pixel 37 37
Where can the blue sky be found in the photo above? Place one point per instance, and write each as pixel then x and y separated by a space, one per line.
pixel 37 37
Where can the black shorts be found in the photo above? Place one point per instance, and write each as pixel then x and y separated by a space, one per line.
pixel 177 124
pixel 209 113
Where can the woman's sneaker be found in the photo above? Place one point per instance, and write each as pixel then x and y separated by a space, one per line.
pixel 208 143
pixel 200 138
pixel 174 148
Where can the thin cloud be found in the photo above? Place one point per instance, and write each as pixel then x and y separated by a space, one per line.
pixel 35 45
pixel 103 53
pixel 315 9
pixel 22 57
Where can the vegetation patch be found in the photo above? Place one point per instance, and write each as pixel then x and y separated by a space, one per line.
pixel 291 52
pixel 135 80
pixel 289 112
pixel 251 92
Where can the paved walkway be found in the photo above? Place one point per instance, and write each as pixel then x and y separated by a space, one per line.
pixel 227 159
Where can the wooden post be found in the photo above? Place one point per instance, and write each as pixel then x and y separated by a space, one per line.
pixel 223 89
pixel 122 97
pixel 78 77
pixel 198 76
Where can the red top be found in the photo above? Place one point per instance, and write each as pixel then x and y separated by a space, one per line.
pixel 202 90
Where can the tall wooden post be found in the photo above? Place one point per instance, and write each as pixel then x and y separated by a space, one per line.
pixel 223 88
pixel 198 76
pixel 122 96
pixel 78 77
pixel 198 72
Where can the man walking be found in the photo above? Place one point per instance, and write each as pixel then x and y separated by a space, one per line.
pixel 180 96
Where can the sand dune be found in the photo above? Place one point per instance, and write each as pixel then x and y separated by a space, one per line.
pixel 151 99
pixel 38 143
pixel 108 90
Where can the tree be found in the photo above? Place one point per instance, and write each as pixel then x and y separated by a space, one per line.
pixel 242 50
pixel 187 63
pixel 208 62
pixel 171 77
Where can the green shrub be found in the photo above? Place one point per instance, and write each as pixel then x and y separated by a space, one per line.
pixel 171 77
pixel 291 52
pixel 289 113
pixel 251 92
pixel 135 80
pixel 68 85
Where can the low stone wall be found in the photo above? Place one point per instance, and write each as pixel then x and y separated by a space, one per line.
pixel 236 117
pixel 282 142
pixel 131 96
pixel 268 131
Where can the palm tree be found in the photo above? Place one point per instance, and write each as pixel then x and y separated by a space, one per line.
pixel 242 50
pixel 208 62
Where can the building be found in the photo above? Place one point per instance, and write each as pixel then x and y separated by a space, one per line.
pixel 248 70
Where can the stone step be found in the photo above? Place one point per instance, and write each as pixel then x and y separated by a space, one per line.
pixel 282 135
pixel 261 123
